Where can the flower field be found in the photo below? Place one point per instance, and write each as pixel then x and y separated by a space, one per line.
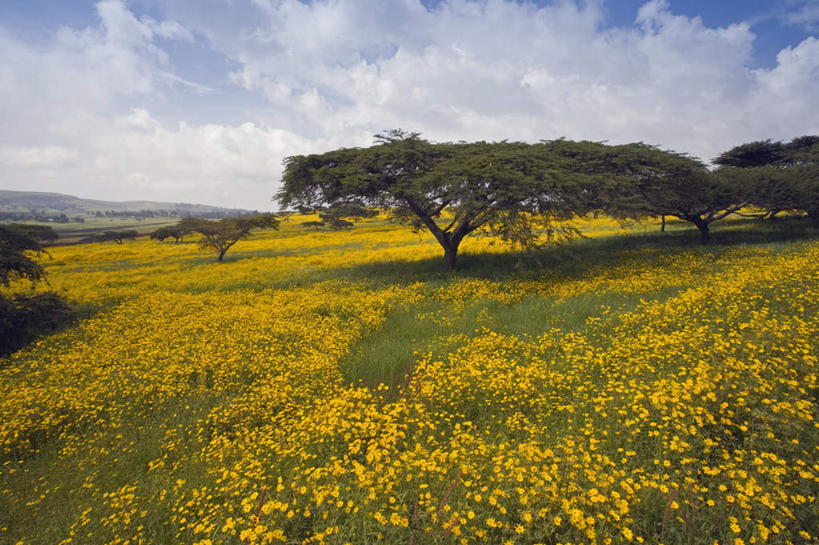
pixel 340 387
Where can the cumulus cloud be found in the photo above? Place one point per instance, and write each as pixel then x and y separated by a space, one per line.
pixel 499 69
pixel 332 73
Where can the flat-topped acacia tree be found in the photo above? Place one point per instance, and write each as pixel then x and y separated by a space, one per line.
pixel 220 235
pixel 649 181
pixel 777 176
pixel 512 190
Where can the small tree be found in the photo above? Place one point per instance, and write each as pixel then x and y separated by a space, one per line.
pixel 117 236
pixel 337 224
pixel 314 224
pixel 509 189
pixel 172 231
pixel 220 235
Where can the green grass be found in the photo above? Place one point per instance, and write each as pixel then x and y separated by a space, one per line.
pixel 131 441
pixel 387 355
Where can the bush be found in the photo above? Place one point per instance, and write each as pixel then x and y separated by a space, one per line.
pixel 23 318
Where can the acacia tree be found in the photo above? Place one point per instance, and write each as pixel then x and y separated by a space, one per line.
pixel 509 189
pixel 651 181
pixel 170 231
pixel 314 224
pixel 117 236
pixel 777 176
pixel 220 235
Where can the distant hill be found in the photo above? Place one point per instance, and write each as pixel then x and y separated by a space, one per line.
pixel 28 201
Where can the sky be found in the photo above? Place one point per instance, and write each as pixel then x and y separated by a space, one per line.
pixel 201 100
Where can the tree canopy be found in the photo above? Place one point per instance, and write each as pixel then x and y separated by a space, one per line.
pixel 220 235
pixel 170 231
pixel 342 215
pixel 777 176
pixel 117 236
pixel 17 242
pixel 752 154
pixel 509 189
pixel 651 181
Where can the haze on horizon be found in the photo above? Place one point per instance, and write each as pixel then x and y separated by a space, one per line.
pixel 201 100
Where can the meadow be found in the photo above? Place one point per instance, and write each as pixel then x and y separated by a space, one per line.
pixel 342 387
pixel 72 233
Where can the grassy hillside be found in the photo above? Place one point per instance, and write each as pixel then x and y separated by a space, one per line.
pixel 27 200
pixel 341 387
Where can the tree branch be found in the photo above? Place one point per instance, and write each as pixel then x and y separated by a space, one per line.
pixel 730 210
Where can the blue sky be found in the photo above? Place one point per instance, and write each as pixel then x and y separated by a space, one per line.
pixel 200 100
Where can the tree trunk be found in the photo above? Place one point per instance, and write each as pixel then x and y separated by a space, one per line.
pixel 702 225
pixel 222 254
pixel 450 255
pixel 813 215
pixel 662 224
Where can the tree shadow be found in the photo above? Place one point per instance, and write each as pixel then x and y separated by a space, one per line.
pixel 26 318
pixel 572 259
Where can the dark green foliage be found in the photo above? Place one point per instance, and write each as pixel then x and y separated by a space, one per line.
pixel 651 181
pixel 220 235
pixel 17 242
pixel 23 318
pixel 511 190
pixel 752 154
pixel 337 224
pixel 171 231
pixel 314 224
pixel 777 176
pixel 342 215
pixel 117 236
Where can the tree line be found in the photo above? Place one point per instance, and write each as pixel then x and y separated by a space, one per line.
pixel 520 192
pixel 38 216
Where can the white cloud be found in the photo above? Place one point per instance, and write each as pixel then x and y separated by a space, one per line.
pixel 135 157
pixel 494 69
pixel 332 73
pixel 36 157
pixel 805 16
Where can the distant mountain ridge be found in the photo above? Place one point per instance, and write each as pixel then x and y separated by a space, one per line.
pixel 35 200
